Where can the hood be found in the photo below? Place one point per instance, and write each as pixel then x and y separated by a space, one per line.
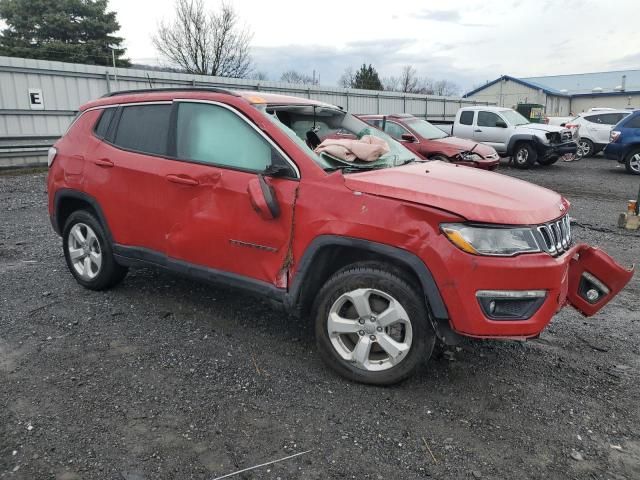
pixel 541 127
pixel 464 145
pixel 474 194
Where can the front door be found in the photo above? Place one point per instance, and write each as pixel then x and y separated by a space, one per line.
pixel 487 130
pixel 210 218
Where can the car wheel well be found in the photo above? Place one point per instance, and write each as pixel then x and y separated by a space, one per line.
pixel 330 259
pixel 68 205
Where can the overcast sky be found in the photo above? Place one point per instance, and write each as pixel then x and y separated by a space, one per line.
pixel 466 41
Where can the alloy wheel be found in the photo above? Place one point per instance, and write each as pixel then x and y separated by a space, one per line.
pixel 370 329
pixel 84 251
pixel 584 148
pixel 634 163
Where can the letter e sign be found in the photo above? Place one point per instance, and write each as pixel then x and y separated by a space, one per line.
pixel 35 99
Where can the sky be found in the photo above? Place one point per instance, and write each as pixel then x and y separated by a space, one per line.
pixel 465 41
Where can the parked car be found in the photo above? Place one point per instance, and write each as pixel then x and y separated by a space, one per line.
pixel 387 256
pixel 595 129
pixel 513 136
pixel 429 142
pixel 624 145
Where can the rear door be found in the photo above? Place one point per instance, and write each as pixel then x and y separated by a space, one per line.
pixel 210 218
pixel 463 128
pixel 487 131
pixel 123 173
pixel 605 123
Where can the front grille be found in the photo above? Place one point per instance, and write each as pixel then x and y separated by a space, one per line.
pixel 556 236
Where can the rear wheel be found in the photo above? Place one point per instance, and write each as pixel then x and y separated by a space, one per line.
pixel 587 147
pixel 372 325
pixel 632 162
pixel 524 155
pixel 88 253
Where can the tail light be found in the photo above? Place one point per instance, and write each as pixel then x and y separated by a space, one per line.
pixel 51 156
pixel 614 136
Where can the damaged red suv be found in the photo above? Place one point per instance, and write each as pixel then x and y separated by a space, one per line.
pixel 387 256
pixel 428 141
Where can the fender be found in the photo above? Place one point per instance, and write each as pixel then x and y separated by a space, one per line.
pixel 413 262
pixel 518 138
pixel 64 193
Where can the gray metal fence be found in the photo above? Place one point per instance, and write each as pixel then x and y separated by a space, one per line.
pixel 38 99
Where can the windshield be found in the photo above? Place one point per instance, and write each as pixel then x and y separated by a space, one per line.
pixel 514 118
pixel 425 129
pixel 300 122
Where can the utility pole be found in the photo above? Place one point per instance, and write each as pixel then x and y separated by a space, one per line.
pixel 115 72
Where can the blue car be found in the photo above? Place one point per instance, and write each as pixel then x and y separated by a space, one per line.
pixel 625 143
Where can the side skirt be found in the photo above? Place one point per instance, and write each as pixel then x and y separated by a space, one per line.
pixel 138 256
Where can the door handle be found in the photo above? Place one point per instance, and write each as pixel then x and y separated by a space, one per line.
pixel 103 162
pixel 182 180
pixel 478 131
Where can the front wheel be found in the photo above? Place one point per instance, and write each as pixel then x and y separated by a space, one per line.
pixel 587 147
pixel 524 156
pixel 632 162
pixel 371 325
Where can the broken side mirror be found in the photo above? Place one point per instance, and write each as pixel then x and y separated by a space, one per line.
pixel 263 198
pixel 407 137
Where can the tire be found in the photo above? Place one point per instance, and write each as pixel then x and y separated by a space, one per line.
pixel 90 261
pixel 524 155
pixel 587 147
pixel 548 161
pixel 381 294
pixel 632 162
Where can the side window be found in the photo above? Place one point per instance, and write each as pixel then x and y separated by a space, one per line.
pixel 102 125
pixel 593 118
pixel 213 134
pixel 488 119
pixel 633 123
pixel 466 117
pixel 395 130
pixel 610 118
pixel 144 128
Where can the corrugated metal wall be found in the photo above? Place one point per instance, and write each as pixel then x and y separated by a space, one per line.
pixel 66 86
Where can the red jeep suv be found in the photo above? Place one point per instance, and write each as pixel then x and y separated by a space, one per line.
pixel 388 256
pixel 428 141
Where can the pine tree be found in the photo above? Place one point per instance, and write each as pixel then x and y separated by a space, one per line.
pixel 367 78
pixel 78 31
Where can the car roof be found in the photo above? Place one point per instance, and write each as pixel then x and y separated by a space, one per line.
pixel 604 112
pixel 388 115
pixel 167 94
pixel 492 108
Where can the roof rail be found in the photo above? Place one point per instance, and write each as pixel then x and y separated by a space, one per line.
pixel 170 89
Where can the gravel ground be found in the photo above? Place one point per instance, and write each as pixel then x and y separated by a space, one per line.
pixel 164 377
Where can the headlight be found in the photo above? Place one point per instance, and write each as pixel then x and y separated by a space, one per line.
pixel 497 241
pixel 470 157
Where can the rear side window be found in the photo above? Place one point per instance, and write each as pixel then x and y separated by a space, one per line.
pixel 217 136
pixel 102 126
pixel 592 118
pixel 633 123
pixel 488 119
pixel 466 118
pixel 144 128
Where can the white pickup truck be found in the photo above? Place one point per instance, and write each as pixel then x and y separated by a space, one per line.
pixel 512 135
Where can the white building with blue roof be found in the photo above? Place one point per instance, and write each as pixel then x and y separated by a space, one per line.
pixel 563 95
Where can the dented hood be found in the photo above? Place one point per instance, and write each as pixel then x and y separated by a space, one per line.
pixel 474 194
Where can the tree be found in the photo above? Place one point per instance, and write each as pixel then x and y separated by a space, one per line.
pixel 367 78
pixel 205 43
pixel 259 76
pixel 347 78
pixel 445 88
pixel 291 76
pixel 409 82
pixel 78 31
